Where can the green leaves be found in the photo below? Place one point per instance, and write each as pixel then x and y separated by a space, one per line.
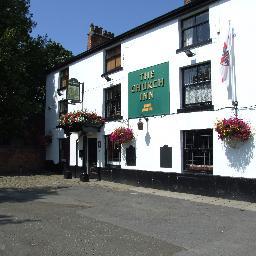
pixel 24 61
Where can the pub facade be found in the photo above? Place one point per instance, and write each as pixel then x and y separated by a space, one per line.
pixel 169 82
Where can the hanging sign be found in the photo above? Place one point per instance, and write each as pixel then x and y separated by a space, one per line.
pixel 148 91
pixel 73 90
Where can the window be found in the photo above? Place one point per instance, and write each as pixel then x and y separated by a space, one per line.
pixel 63 107
pixel 64 150
pixel 195 29
pixel 113 58
pixel 196 86
pixel 131 156
pixel 64 76
pixel 197 151
pixel 113 151
pixel 113 102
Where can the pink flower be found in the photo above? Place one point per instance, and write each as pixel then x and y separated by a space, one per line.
pixel 233 128
pixel 121 135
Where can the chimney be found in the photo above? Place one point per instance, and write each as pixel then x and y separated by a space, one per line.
pixel 97 36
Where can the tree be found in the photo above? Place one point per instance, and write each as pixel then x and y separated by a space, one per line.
pixel 24 61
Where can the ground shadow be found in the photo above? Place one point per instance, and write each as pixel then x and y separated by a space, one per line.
pixel 8 219
pixel 26 195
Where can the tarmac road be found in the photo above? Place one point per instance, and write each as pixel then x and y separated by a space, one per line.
pixel 61 217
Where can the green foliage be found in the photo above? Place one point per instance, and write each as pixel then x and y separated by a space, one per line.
pixel 24 61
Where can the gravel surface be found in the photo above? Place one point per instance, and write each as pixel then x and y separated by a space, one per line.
pixel 25 182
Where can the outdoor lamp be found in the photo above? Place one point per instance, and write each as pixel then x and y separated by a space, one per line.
pixel 189 53
pixel 140 123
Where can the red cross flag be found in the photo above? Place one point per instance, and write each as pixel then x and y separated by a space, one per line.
pixel 225 58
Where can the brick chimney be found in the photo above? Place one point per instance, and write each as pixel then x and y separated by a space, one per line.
pixel 97 36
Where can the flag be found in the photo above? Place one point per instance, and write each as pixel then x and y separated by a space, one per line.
pixel 225 57
pixel 227 63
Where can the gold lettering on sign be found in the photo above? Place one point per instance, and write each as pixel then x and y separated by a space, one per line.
pixel 155 83
pixel 150 95
pixel 150 85
pixel 152 74
pixel 146 96
pixel 147 107
pixel 144 86
pixel 161 82
pixel 147 75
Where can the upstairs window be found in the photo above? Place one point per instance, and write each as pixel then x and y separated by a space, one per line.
pixel 113 102
pixel 63 107
pixel 196 86
pixel 113 58
pixel 64 76
pixel 195 29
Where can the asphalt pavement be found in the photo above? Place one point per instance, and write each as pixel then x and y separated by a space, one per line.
pixel 103 218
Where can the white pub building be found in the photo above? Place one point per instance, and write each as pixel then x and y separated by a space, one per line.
pixel 180 83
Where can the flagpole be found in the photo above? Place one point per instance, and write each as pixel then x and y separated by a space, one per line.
pixel 233 74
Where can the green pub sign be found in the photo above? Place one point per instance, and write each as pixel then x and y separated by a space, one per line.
pixel 148 91
pixel 73 90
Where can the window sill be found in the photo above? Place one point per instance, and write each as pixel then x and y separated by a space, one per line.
pixel 209 41
pixel 198 172
pixel 204 169
pixel 196 109
pixel 113 118
pixel 113 166
pixel 112 71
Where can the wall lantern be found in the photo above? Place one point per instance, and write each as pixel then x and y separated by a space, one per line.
pixel 189 53
pixel 105 75
pixel 140 123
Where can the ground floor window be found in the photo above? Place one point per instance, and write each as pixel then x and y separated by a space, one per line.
pixel 113 152
pixel 197 151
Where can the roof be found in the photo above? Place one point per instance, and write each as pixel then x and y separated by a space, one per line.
pixel 176 13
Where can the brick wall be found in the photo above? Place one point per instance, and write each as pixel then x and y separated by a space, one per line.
pixel 97 36
pixel 21 160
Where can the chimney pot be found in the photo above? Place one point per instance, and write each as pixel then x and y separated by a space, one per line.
pixel 91 28
pixel 187 1
pixel 97 36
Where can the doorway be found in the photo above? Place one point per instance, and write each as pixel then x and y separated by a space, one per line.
pixel 64 151
pixel 92 153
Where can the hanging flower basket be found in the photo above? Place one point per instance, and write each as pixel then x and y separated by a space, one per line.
pixel 75 121
pixel 233 131
pixel 122 135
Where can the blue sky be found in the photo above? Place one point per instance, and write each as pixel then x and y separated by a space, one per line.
pixel 67 21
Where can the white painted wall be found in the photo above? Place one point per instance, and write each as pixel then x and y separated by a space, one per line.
pixel 157 46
